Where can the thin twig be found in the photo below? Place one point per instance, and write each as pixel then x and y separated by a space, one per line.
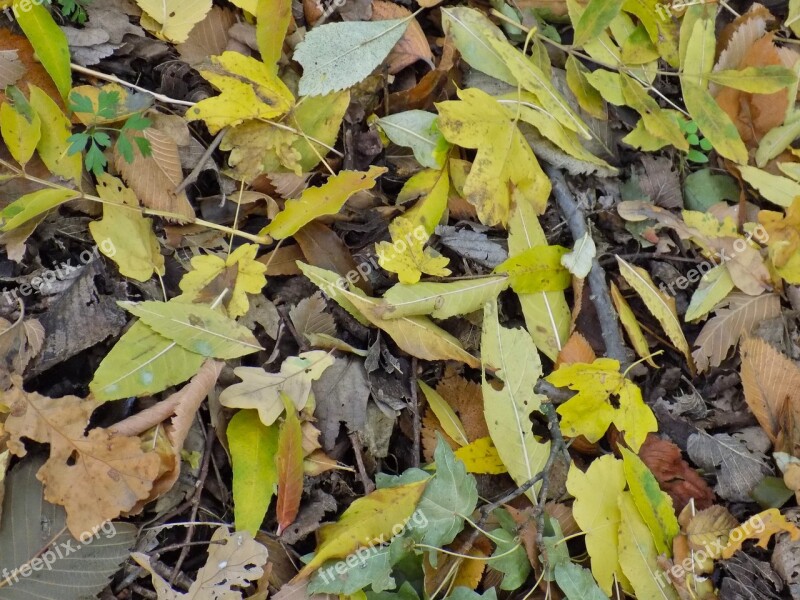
pixel 114 79
pixel 369 487
pixel 609 320
pixel 203 160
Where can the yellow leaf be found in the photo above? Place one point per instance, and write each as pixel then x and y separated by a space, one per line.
pixel 638 555
pixel 249 90
pixel 512 356
pixel 656 120
pixel 375 518
pixel 239 272
pixel 631 325
pixel 659 304
pixel 172 20
pixel 123 234
pixel 589 98
pixel 655 507
pixel 314 202
pixel 766 524
pixel 604 396
pixel 537 269
pixel 547 314
pixel 448 419
pixel 504 159
pixel 407 255
pixel 481 456
pixel 428 211
pixel 20 126
pixel 53 146
pixel 272 22
pixel 418 336
pixel 775 188
pixel 596 512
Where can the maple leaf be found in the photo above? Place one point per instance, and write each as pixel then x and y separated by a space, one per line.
pixel 262 390
pixel 770 522
pixel 605 396
pixel 406 254
pixel 249 90
pixel 239 272
pixel 95 476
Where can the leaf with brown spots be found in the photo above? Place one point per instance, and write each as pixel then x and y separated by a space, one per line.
pixel 95 476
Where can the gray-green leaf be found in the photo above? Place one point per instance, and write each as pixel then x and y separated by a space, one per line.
pixel 416 129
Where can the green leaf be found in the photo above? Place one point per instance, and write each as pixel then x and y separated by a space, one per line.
pixel 656 120
pixel 339 55
pixel 417 129
pixel 195 327
pixel 654 506
pixel 253 446
pixel 441 300
pixel 704 188
pixel 125 148
pixel 95 160
pixel 756 80
pixel 512 356
pixel 80 103
pixel 32 205
pixel 142 362
pixel 373 569
pixel 577 582
pixel 597 15
pixel 47 40
pixel 589 98
pixel 514 563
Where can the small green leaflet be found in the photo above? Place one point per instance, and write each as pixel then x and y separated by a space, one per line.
pixel 339 55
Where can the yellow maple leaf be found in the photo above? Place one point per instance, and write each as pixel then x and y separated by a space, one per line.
pixel 249 90
pixel 784 240
pixel 604 397
pixel 504 160
pixel 406 254
pixel 240 273
pixel 759 527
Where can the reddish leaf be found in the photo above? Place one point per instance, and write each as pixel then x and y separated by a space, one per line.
pixel 289 459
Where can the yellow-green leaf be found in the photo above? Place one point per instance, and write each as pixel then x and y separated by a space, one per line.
pixel 370 519
pixel 655 119
pixel 537 269
pixel 589 98
pixel 512 357
pixel 658 303
pixel 775 188
pixel 407 255
pixel 253 446
pixel 124 234
pixel 655 506
pixel 428 211
pixel 53 146
pixel 47 40
pixel 595 18
pixel 631 325
pixel 713 287
pixel 448 418
pixel 756 80
pixel 32 205
pixel 315 202
pixel 20 127
pixel 441 300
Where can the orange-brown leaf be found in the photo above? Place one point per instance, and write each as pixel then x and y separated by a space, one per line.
pixel 289 459
pixel 576 350
pixel 413 46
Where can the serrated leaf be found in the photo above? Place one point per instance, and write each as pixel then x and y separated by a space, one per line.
pixel 255 476
pixel 315 202
pixel 336 56
pixel 262 391
pixel 47 40
pixel 407 254
pixel 368 519
pixel 510 559
pixel 661 306
pixel 195 327
pixel 512 356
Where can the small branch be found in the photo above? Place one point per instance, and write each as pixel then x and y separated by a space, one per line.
pixel 203 160
pixel 415 449
pixel 554 394
pixel 576 221
pixel 369 487
pixel 114 79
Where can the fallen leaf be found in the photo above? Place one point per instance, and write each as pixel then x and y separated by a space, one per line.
pixel 173 20
pixel 289 463
pixel 413 46
pixel 209 37
pixel 769 523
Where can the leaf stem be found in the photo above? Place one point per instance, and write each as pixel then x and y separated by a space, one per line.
pixel 114 79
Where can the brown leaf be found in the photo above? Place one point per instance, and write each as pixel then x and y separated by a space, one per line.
pixel 466 400
pixel 708 526
pixel 283 261
pixel 674 474
pixel 771 383
pixel 34 72
pixel 735 317
pixel 576 350
pixel 413 46
pixel 209 37
pixel 289 461
pixel 660 182
pixel 309 316
pixel 323 248
pixel 431 88
pixel 11 68
pixel 96 477
pixel 154 178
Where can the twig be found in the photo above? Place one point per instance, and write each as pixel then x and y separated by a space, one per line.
pixel 114 79
pixel 203 160
pixel 554 394
pixel 609 320
pixel 417 425
pixel 369 487
pixel 557 446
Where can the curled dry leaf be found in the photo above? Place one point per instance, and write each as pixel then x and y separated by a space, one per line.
pixel 674 475
pixel 412 46
pixel 95 476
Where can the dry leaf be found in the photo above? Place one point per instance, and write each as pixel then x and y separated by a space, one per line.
pixel 95 476
pixel 323 248
pixel 735 317
pixel 576 350
pixel 11 69
pixel 466 400
pixel 209 37
pixel 413 46
pixel 674 475
pixel 155 177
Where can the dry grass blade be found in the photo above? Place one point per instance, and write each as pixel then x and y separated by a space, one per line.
pixel 771 384
pixel 730 323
